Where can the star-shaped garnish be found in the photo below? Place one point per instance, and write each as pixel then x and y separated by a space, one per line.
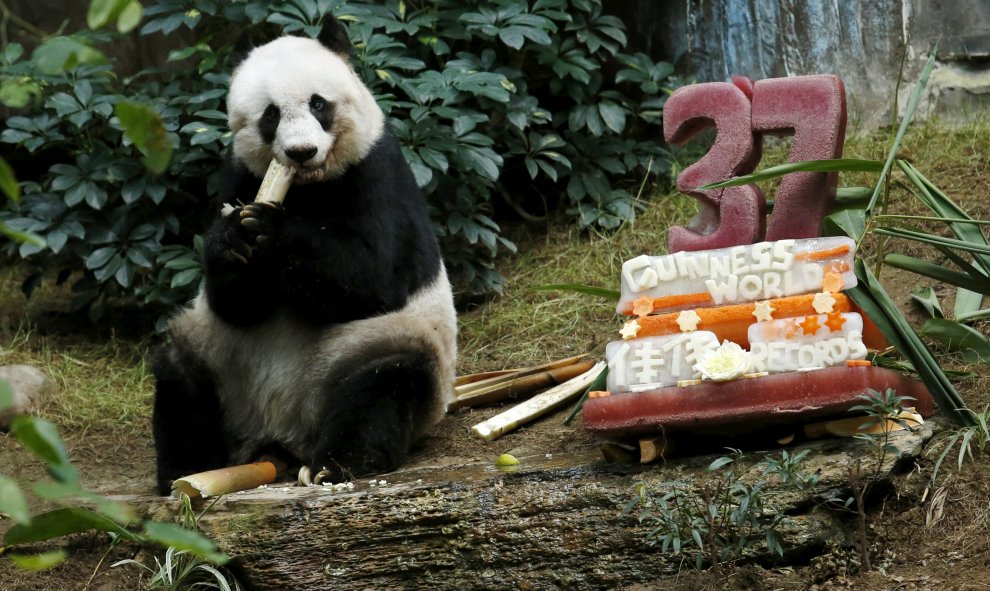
pixel 642 306
pixel 833 282
pixel 834 321
pixel 810 325
pixel 763 311
pixel 630 330
pixel 688 320
pixel 823 302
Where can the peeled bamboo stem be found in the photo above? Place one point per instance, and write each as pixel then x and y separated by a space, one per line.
pixel 226 480
pixel 522 385
pixel 276 183
pixel 536 406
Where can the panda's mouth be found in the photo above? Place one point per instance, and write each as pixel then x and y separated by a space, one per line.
pixel 309 175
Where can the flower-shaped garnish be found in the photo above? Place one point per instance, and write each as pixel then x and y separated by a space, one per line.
pixel 726 362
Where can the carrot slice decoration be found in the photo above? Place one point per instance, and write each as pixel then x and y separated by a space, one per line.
pixel 821 255
pixel 674 301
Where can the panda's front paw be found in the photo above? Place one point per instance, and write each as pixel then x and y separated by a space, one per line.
pixel 260 222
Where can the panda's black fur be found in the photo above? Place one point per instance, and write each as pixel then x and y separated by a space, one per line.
pixel 326 329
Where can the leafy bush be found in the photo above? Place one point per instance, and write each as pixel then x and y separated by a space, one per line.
pixel 530 103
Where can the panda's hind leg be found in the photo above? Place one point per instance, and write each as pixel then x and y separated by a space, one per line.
pixel 187 420
pixel 372 416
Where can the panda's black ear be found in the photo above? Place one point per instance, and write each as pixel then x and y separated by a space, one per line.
pixel 252 37
pixel 334 37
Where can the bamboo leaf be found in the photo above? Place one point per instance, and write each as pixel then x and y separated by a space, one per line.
pixel 912 106
pixel 978 315
pixel 940 203
pixel 958 337
pixel 601 292
pixel 847 222
pixel 926 298
pixel 873 300
pixel 839 165
pixel 915 265
pixel 934 240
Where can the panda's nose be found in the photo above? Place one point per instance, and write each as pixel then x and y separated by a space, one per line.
pixel 301 155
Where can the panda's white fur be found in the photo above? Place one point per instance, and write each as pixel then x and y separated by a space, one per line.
pixel 279 358
pixel 274 74
pixel 256 366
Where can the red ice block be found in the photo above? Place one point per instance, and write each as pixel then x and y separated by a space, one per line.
pixel 727 217
pixel 813 108
pixel 749 404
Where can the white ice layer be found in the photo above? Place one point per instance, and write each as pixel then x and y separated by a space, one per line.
pixel 787 345
pixel 737 274
pixel 656 362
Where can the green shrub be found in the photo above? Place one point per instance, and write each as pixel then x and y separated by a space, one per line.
pixel 527 103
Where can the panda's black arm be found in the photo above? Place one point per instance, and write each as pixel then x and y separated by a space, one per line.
pixel 241 283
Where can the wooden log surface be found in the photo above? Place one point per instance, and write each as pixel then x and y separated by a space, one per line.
pixel 551 523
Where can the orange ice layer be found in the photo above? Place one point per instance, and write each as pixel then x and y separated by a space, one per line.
pixel 677 302
pixel 732 322
pixel 822 255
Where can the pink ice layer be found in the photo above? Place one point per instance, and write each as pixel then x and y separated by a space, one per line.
pixel 813 109
pixel 726 217
pixel 747 405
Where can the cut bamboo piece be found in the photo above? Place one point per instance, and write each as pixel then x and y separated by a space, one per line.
pixel 536 406
pixel 855 425
pixel 521 385
pixel 276 183
pixel 499 378
pixel 226 480
pixel 477 377
pixel 652 449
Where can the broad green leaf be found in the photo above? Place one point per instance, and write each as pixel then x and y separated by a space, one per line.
pixel 41 561
pixel 144 127
pixel 8 183
pixel 926 298
pixel 852 195
pixel 12 501
pixel 59 54
pixel 608 294
pixel 63 493
pixel 839 165
pixel 130 17
pixel 6 395
pixel 101 12
pixel 16 93
pixel 62 522
pixel 958 337
pixel 180 538
pixel 42 438
pixel 978 315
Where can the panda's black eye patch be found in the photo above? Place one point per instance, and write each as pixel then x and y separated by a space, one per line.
pixel 322 110
pixel 269 123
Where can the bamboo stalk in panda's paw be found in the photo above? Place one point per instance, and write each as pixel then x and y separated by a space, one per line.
pixel 276 183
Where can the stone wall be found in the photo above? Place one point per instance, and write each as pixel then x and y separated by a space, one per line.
pixel 862 41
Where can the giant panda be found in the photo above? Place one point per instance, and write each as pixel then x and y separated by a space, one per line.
pixel 325 333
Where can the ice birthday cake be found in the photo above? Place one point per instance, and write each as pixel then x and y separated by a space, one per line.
pixel 740 337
